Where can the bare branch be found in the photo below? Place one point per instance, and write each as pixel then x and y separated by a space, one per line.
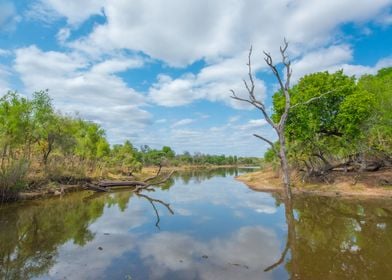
pixel 252 83
pixel 286 87
pixel 269 61
pixel 312 99
pixel 156 175
pixel 163 179
pixel 264 139
pixel 269 142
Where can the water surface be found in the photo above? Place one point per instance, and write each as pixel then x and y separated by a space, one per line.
pixel 220 229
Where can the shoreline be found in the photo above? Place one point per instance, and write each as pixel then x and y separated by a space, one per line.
pixel 62 189
pixel 364 189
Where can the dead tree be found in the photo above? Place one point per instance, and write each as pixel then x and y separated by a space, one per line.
pixel 280 126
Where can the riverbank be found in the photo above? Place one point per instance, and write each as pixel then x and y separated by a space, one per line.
pixel 364 185
pixel 53 189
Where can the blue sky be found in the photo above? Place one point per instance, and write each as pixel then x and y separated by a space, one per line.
pixel 159 72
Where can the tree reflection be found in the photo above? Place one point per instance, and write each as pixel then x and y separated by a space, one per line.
pixel 31 233
pixel 200 175
pixel 335 239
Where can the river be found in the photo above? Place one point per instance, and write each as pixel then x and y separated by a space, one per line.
pixel 219 229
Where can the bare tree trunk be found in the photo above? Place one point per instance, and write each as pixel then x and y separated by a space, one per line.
pixel 285 166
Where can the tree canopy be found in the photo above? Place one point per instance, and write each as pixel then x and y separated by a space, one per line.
pixel 335 117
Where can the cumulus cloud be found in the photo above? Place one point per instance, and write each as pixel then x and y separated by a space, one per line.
pixel 178 33
pixel 212 83
pixel 92 90
pixel 322 59
pixel 188 31
pixel 332 59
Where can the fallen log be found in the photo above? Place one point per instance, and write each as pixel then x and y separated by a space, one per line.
pixel 104 186
pixel 93 187
pixel 108 184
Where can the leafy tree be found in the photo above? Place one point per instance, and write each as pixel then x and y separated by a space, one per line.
pixel 331 124
pixel 379 125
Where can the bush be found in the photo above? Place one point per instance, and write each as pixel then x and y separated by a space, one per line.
pixel 12 179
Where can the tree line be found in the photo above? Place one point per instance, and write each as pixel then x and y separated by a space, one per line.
pixel 38 141
pixel 347 125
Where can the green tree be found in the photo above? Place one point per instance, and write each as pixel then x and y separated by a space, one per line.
pixel 331 123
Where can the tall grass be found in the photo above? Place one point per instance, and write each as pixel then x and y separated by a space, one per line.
pixel 12 179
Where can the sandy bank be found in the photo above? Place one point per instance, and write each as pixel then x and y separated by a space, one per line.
pixel 365 185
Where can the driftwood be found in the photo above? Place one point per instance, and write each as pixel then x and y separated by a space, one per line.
pixel 104 186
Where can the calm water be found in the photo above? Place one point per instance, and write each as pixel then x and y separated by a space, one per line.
pixel 219 230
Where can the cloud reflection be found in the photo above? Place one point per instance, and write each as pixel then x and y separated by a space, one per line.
pixel 243 255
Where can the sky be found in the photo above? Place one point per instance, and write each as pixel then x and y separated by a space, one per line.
pixel 160 72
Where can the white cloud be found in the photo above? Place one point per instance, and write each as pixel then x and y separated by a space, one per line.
pixel 77 85
pixel 231 138
pixel 63 34
pixel 4 52
pixel 117 65
pixel 321 59
pixel 177 33
pixel 181 32
pixel 253 124
pixel 8 16
pixel 234 119
pixel 359 70
pixel 4 80
pixel 332 59
pixel 75 11
pixel 182 122
pixel 213 83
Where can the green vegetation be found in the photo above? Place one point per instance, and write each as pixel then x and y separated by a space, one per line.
pixel 338 122
pixel 166 156
pixel 39 144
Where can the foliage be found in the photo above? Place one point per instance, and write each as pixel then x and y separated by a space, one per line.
pixel 379 124
pixel 35 137
pixel 335 118
pixel 166 156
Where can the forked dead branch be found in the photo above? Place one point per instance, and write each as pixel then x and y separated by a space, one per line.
pixel 138 185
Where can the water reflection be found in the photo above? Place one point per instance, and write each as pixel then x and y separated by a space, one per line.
pixel 30 235
pixel 219 230
pixel 200 175
pixel 341 240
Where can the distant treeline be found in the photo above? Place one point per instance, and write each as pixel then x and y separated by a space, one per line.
pixel 338 123
pixel 167 156
pixel 37 141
